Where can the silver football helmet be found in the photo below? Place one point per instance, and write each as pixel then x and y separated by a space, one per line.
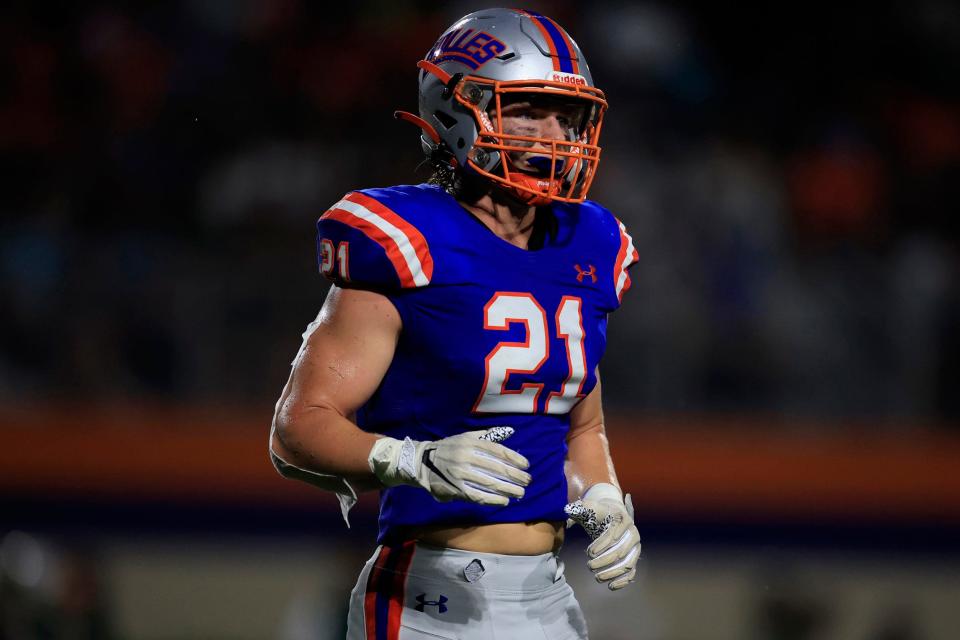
pixel 489 59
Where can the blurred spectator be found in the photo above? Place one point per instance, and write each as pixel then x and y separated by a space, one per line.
pixel 50 593
pixel 791 179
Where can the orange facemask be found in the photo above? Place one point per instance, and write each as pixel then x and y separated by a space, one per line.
pixel 568 166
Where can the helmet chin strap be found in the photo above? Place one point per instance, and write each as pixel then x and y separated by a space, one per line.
pixel 533 182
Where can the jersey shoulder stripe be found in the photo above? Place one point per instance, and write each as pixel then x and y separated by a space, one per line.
pixel 405 246
pixel 626 256
pixel 616 252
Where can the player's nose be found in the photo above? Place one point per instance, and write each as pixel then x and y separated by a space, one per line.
pixel 550 128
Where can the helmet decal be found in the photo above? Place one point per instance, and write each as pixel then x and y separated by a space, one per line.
pixel 466 46
pixel 558 42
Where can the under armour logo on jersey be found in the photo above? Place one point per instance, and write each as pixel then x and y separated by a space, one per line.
pixel 592 272
pixel 423 602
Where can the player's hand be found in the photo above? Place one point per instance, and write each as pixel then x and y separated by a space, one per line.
pixel 470 466
pixel 608 520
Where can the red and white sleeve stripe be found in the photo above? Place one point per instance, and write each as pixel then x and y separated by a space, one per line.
pixel 405 246
pixel 625 257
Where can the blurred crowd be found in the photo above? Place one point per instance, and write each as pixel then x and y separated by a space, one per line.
pixel 790 174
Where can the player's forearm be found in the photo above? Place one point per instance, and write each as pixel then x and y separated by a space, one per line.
pixel 320 439
pixel 588 461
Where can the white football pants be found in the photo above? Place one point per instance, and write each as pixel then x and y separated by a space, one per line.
pixel 417 592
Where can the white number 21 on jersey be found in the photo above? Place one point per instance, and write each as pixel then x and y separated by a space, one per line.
pixel 527 357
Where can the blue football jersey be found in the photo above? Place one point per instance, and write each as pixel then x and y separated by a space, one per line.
pixel 492 334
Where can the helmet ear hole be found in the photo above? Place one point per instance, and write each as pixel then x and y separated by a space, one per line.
pixel 445 119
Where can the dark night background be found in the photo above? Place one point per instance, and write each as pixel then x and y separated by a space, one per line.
pixel 790 173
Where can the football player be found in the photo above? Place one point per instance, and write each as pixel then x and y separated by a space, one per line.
pixel 453 365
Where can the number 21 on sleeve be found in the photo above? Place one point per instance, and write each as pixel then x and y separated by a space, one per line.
pixel 505 308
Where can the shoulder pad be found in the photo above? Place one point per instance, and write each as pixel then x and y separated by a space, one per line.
pixel 627 256
pixel 364 241
pixel 619 251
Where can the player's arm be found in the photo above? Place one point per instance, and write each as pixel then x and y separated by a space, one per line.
pixel 588 451
pixel 597 503
pixel 338 368
pixel 340 365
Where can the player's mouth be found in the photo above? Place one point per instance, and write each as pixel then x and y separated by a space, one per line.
pixel 538 165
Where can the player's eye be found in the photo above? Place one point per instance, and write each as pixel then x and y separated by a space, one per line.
pixel 515 107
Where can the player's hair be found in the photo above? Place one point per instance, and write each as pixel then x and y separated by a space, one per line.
pixel 470 187
pixel 462 185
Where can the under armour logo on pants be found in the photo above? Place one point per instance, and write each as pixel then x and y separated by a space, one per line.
pixel 441 603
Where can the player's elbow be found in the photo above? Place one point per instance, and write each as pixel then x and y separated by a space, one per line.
pixel 286 417
pixel 278 454
pixel 295 420
pixel 287 430
pixel 280 433
pixel 289 423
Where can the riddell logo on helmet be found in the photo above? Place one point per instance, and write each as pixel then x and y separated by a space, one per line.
pixel 568 78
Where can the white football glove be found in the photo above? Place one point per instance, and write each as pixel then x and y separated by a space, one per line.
pixel 608 520
pixel 470 466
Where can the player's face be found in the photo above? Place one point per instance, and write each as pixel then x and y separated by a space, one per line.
pixel 537 117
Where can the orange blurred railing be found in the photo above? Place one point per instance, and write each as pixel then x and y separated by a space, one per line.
pixel 684 466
